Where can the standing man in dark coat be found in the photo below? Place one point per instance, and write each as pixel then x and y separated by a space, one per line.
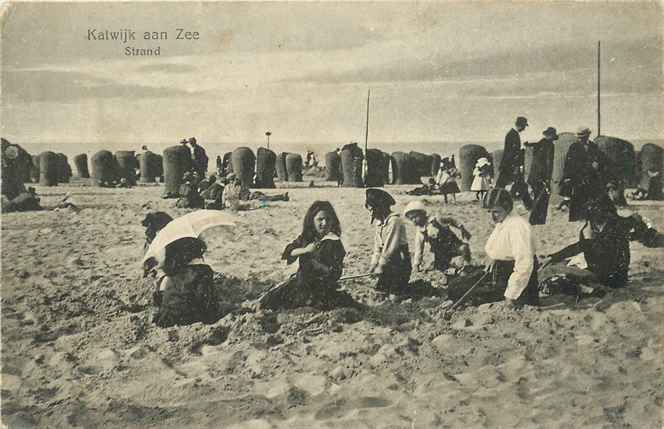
pixel 200 158
pixel 512 163
pixel 583 173
pixel 539 176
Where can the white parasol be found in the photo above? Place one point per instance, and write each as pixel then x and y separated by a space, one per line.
pixel 190 225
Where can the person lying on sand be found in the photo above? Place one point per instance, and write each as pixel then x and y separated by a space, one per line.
pixel 391 257
pixel 429 188
pixel 320 254
pixel 604 241
pixel 184 289
pixel 437 232
pixel 238 196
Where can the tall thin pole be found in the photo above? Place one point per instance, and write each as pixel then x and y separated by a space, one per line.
pixel 366 135
pixel 599 132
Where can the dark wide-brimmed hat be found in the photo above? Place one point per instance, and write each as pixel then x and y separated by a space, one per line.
pixel 550 131
pixel 378 198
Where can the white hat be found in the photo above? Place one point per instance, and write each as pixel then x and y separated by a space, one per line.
pixel 482 162
pixel 414 206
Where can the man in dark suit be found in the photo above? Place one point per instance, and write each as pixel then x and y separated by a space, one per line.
pixel 512 163
pixel 583 173
pixel 539 175
pixel 200 158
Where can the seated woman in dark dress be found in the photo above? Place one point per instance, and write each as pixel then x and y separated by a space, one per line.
pixel 320 254
pixel 604 242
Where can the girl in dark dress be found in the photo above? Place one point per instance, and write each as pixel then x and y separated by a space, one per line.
pixel 184 290
pixel 320 253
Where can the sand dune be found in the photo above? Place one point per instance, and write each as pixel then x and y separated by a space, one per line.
pixel 78 349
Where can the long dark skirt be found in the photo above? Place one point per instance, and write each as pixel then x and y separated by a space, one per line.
pixel 540 204
pixel 396 273
pixel 492 288
pixel 294 293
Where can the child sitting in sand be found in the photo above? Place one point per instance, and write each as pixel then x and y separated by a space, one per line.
pixel 184 290
pixel 436 231
pixel 320 254
pixel 391 257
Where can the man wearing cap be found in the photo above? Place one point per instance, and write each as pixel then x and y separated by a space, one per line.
pixel 539 176
pixel 391 258
pixel 583 173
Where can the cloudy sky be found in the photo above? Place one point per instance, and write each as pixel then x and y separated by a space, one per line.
pixel 438 71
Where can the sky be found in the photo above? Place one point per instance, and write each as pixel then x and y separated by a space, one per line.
pixel 437 71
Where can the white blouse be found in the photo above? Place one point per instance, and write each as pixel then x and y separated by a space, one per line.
pixel 512 240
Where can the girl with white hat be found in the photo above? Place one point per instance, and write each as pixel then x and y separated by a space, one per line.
pixel 482 178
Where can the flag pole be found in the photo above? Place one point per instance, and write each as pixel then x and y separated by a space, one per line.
pixel 366 135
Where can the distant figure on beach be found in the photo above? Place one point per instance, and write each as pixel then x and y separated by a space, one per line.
pixel 604 241
pixel 650 186
pixel 583 174
pixel 184 289
pixel 481 178
pixel 391 257
pixel 188 192
pixel 199 157
pixel 239 197
pixel 436 231
pixel 320 255
pixel 212 192
pixel 511 162
pixel 220 166
pixel 26 200
pixel 511 166
pixel 539 176
pixel 446 180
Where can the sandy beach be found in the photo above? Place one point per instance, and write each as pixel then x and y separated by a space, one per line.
pixel 78 348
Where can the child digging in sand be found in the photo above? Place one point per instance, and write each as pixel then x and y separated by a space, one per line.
pixel 184 290
pixel 436 231
pixel 320 254
pixel 391 257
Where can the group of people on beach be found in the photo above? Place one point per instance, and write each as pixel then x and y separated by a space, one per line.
pixel 510 272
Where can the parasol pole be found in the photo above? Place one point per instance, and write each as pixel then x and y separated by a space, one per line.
pixel 598 88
